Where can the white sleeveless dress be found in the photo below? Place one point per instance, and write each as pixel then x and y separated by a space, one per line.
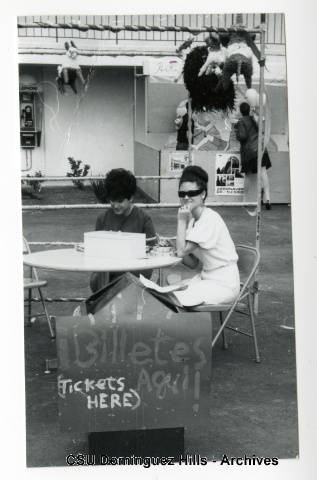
pixel 219 280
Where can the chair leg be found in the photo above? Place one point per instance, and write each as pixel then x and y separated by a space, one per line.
pixel 160 277
pixel 46 314
pixel 224 340
pixel 256 350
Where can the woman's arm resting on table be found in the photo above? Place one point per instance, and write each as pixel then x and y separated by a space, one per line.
pixel 190 261
pixel 184 248
pixel 185 251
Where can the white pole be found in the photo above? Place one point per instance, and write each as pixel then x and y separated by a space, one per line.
pixel 259 159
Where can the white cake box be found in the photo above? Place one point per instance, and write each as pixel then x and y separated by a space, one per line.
pixel 114 244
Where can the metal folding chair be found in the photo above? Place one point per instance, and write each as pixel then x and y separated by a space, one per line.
pixel 31 281
pixel 248 261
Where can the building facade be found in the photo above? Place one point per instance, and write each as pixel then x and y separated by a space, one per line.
pixel 131 96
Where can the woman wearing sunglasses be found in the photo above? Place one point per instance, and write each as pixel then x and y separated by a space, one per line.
pixel 202 236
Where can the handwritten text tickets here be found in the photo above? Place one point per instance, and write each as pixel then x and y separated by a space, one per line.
pixel 134 363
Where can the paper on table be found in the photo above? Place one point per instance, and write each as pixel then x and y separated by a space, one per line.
pixel 168 288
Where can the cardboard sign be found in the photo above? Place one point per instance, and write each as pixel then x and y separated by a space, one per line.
pixel 134 364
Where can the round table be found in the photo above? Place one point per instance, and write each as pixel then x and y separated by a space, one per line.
pixel 69 259
pixel 72 260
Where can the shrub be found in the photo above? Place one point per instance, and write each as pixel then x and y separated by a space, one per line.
pixel 77 171
pixel 32 187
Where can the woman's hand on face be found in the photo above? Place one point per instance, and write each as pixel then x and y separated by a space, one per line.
pixel 184 213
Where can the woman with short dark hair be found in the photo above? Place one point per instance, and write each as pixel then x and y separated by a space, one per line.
pixel 123 216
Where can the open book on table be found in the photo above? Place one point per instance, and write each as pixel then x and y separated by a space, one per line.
pixel 166 289
pixel 177 290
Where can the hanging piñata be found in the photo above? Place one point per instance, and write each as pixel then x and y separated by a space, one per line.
pixel 216 56
pixel 70 69
pixel 240 46
pixel 201 79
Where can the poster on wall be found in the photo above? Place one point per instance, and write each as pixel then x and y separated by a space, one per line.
pixel 177 161
pixel 229 178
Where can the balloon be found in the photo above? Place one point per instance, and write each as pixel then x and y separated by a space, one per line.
pixel 253 98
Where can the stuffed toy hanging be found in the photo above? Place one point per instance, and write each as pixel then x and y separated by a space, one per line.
pixel 206 92
pixel 70 69
pixel 216 56
pixel 239 57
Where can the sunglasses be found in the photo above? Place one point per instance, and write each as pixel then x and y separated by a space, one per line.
pixel 190 193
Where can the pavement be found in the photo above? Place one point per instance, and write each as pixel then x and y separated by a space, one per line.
pixel 253 407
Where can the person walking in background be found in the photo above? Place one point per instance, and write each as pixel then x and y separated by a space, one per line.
pixel 247 134
pixel 181 123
